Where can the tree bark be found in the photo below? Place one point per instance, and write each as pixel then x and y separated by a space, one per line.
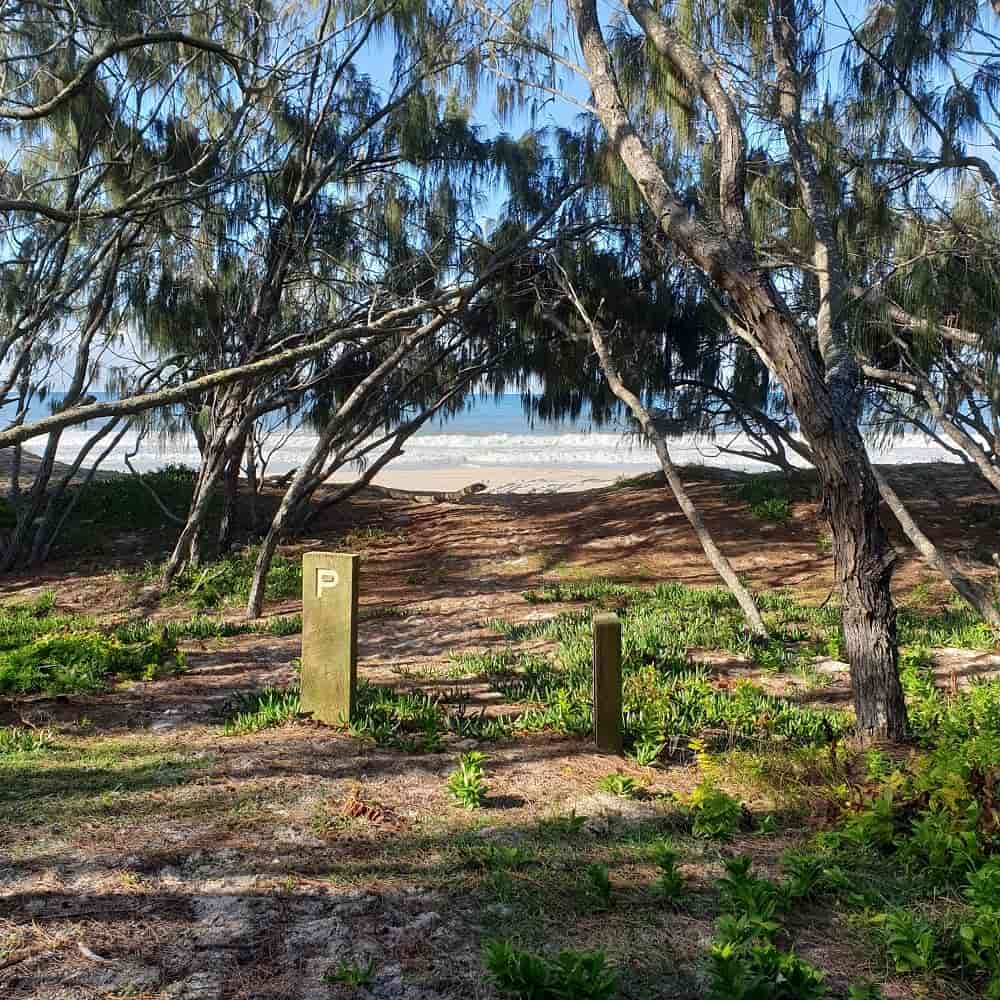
pixel 826 410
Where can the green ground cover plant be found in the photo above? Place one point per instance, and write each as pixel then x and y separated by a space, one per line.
pixel 226 582
pixel 417 722
pixel 82 661
pixel 467 783
pixel 351 973
pixel 23 740
pixel 766 499
pixel 667 699
pixel 252 711
pixel 43 651
pixel 909 854
pixel 572 975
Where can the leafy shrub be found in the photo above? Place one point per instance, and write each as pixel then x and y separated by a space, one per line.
pixel 874 827
pixel 715 815
pixel 466 783
pixel 599 882
pixel 941 847
pixel 807 874
pixel 909 941
pixel 761 973
pixel 977 936
pixel 408 720
pixel 227 581
pixel 619 784
pixel 83 662
pixel 753 902
pixel 765 499
pixel 351 973
pixel 670 882
pixel 983 888
pixel 574 975
pixel 864 991
pixel 497 857
pixel 774 511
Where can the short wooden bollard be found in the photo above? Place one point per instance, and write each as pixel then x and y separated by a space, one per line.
pixel 608 682
pixel 329 636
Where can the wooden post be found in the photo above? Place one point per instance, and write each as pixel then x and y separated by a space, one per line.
pixel 608 682
pixel 329 636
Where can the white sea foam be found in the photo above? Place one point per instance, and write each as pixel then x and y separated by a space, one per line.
pixel 567 450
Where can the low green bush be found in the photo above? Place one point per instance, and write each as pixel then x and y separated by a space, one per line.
pixel 83 662
pixel 766 500
pixel 467 783
pixel 714 814
pixel 573 975
pixel 225 582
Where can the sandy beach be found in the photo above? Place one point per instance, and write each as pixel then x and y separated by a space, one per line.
pixel 501 479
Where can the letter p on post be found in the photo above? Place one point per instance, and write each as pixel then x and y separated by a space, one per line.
pixel 329 635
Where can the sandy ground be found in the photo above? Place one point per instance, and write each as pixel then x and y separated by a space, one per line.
pixel 502 479
pixel 207 868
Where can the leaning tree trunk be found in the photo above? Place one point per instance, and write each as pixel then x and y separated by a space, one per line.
pixel 713 553
pixel 187 549
pixel 967 588
pixel 294 494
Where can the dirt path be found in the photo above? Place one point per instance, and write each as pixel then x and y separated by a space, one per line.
pixel 152 857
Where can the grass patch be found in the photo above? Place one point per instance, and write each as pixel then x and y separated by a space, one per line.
pixel 265 709
pixel 766 498
pixel 89 781
pixel 226 582
pixel 21 740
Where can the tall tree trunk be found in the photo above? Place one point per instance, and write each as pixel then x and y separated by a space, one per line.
pixel 230 498
pixel 826 407
pixel 863 557
pixel 967 588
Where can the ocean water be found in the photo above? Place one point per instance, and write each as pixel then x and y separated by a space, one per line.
pixel 496 433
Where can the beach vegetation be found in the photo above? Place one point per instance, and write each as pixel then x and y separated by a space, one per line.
pixel 351 972
pixel 249 712
pixel 572 975
pixel 260 231
pixel 467 783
